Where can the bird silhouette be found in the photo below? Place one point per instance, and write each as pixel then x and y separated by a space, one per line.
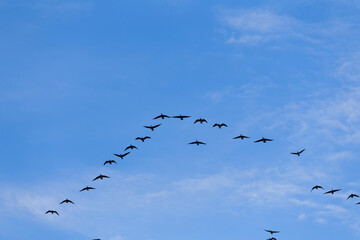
pixel 142 138
pixel 264 140
pixel 271 231
pixel 52 212
pixel 271 238
pixel 162 116
pixel 101 177
pixel 197 143
pixel 316 187
pixel 87 188
pixel 298 153
pixel 110 162
pixel 352 196
pixel 219 125
pixel 130 147
pixel 67 201
pixel 121 155
pixel 152 127
pixel 181 117
pixel 241 137
pixel 200 120
pixel 357 203
pixel 332 191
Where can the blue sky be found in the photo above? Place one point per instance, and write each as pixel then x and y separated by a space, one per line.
pixel 79 79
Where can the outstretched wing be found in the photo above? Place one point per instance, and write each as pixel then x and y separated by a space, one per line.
pixel 156 125
pixel 302 150
pixel 223 124
pixel 260 140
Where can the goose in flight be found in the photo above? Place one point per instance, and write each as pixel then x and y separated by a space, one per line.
pixel 220 125
pixel 142 138
pixel 67 201
pixel 332 191
pixel 87 188
pixel 152 127
pixel 110 162
pixel 316 187
pixel 121 155
pixel 271 231
pixel 241 137
pixel 52 212
pixel 162 116
pixel 181 117
pixel 200 120
pixel 130 147
pixel 352 196
pixel 264 140
pixel 298 153
pixel 197 143
pixel 101 177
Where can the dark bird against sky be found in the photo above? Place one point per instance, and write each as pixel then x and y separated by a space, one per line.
pixel 264 140
pixel 271 231
pixel 67 201
pixel 352 196
pixel 152 127
pixel 121 155
pixel 332 191
pixel 101 177
pixel 197 143
pixel 162 116
pixel 298 153
pixel 142 138
pixel 87 188
pixel 241 137
pixel 130 147
pixel 181 117
pixel 200 120
pixel 219 125
pixel 316 187
pixel 109 162
pixel 52 212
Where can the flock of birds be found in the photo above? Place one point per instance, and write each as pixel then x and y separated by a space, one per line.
pixel 196 142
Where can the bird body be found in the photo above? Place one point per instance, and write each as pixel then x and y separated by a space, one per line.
pixel 264 140
pixel 219 125
pixel 101 177
pixel 86 188
pixel 121 155
pixel 52 212
pixel 152 127
pixel 200 120
pixel 142 138
pixel 67 201
pixel 181 117
pixel 241 137
pixel 197 143
pixel 298 153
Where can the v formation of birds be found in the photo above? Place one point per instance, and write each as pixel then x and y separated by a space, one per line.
pixel 196 142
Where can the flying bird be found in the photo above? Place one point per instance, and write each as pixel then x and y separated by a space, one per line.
pixel 101 177
pixel 241 137
pixel 181 117
pixel 152 127
pixel 200 120
pixel 264 140
pixel 352 196
pixel 87 188
pixel 298 153
pixel 121 155
pixel 67 201
pixel 271 238
pixel 271 231
pixel 220 125
pixel 162 116
pixel 52 212
pixel 110 162
pixel 142 138
pixel 130 147
pixel 316 187
pixel 332 191
pixel 197 143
